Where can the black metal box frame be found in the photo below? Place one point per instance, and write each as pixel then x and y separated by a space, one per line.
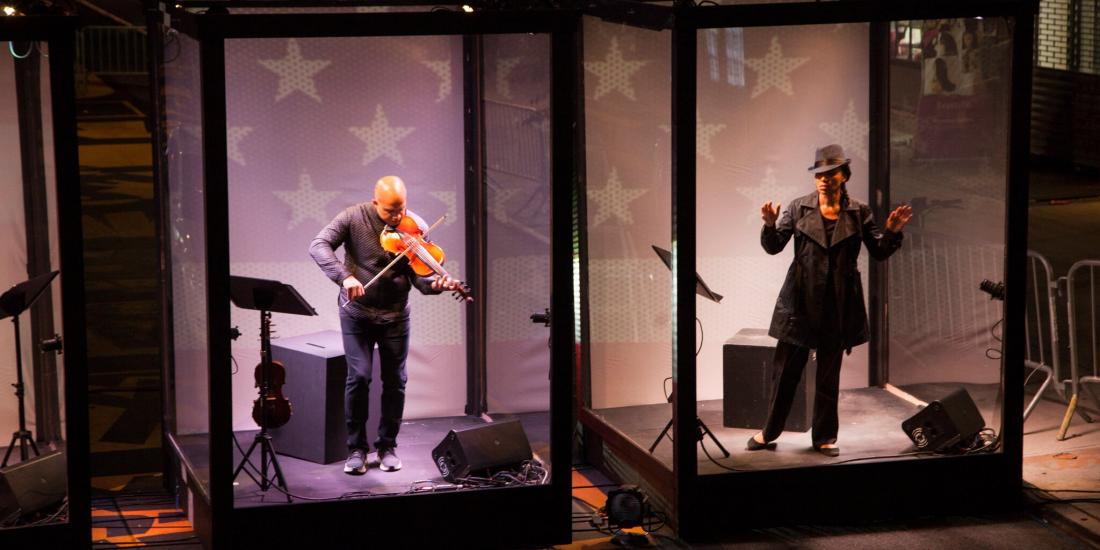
pixel 537 515
pixel 59 32
pixel 845 492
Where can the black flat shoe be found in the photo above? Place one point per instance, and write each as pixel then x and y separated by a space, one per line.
pixel 828 451
pixel 754 445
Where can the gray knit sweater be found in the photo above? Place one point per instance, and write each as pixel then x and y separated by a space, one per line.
pixel 357 228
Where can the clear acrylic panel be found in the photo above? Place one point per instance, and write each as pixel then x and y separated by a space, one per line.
pixel 792 90
pixel 767 98
pixel 627 92
pixel 186 230
pixel 517 150
pixel 30 248
pixel 949 106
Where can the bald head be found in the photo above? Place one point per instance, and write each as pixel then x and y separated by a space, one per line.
pixel 389 199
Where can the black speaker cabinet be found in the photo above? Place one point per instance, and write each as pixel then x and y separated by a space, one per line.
pixel 33 485
pixel 748 376
pixel 481 449
pixel 315 374
pixel 945 423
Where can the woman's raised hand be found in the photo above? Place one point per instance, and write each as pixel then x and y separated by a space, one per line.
pixel 768 214
pixel 898 218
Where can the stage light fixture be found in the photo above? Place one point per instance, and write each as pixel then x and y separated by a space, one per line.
pixel 467 8
pixel 626 507
pixel 9 11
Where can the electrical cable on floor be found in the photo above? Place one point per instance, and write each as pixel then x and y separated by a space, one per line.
pixel 600 486
pixel 585 502
pixel 990 352
pixel 703 444
pixel 878 457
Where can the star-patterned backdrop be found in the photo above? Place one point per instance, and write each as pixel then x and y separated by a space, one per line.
pixel 767 98
pixel 312 124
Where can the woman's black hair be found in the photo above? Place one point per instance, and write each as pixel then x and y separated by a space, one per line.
pixel 847 172
pixel 941 76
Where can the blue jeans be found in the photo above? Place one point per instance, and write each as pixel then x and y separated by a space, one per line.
pixel 360 338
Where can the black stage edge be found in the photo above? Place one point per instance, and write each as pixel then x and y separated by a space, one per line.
pixel 60 33
pixel 770 479
pixel 375 517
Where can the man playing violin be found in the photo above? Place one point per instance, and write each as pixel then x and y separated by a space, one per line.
pixel 374 315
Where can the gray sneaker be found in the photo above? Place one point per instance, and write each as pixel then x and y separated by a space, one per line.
pixel 388 461
pixel 356 463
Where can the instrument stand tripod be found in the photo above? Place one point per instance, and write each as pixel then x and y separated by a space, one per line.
pixel 263 439
pixel 266 296
pixel 703 431
pixel 703 290
pixel 14 302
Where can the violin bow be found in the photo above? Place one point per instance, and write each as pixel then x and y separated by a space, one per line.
pixel 399 256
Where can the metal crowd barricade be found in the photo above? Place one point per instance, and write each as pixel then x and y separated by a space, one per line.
pixel 1080 374
pixel 112 50
pixel 1041 354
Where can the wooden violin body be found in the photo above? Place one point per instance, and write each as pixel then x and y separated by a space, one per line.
pixel 425 257
pixel 271 409
pixel 278 406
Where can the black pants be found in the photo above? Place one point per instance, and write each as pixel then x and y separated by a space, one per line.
pixel 790 361
pixel 360 338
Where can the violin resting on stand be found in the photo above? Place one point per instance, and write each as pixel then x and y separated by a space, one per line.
pixel 425 257
pixel 271 409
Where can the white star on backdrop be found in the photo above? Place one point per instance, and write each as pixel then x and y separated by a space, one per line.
pixel 613 200
pixel 233 142
pixel 773 70
pixel 703 132
pixel 381 138
pixel 504 71
pixel 498 203
pixel 449 199
pixel 306 202
pixel 442 69
pixel 295 73
pixel 613 73
pixel 768 190
pixel 850 133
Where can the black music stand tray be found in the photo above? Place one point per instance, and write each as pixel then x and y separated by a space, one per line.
pixel 703 290
pixel 266 296
pixel 12 304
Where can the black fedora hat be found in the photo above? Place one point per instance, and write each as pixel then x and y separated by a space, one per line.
pixel 828 157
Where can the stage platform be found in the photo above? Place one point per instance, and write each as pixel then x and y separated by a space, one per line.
pixel 311 481
pixel 870 426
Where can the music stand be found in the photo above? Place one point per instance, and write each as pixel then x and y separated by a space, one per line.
pixel 12 304
pixel 267 297
pixel 703 290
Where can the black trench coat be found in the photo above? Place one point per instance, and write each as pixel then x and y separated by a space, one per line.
pixel 800 314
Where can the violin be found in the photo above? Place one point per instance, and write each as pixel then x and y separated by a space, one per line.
pixel 271 409
pixel 425 257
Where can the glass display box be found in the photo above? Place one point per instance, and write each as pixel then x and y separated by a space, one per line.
pixel 701 120
pixel 44 474
pixel 278 120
